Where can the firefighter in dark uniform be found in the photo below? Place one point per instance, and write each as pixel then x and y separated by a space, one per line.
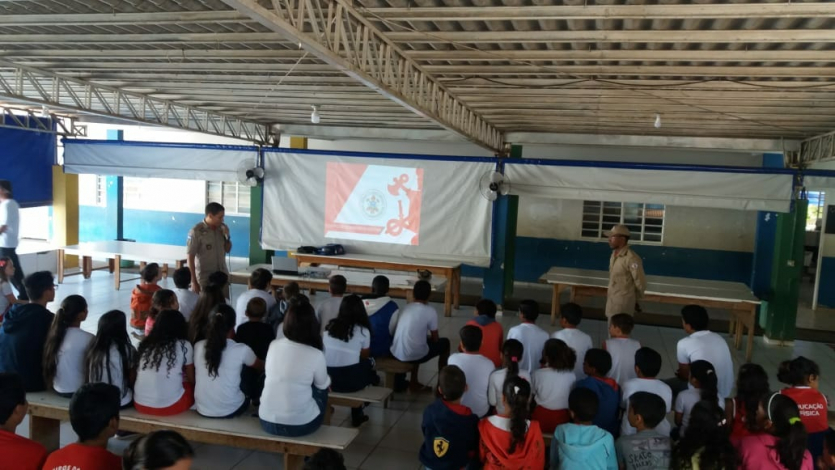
pixel 208 243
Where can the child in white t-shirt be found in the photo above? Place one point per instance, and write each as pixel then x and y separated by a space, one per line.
pixel 531 336
pixel 571 315
pixel 328 309
pixel 186 297
pixel 218 364
pixel 66 344
pixel 552 384
pixel 477 370
pixel 165 378
pixel 259 285
pixel 111 357
pixel 647 366
pixel 512 351
pixel 622 348
pixel 7 297
pixel 704 383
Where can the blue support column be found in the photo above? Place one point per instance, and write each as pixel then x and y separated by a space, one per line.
pixel 765 240
pixel 498 278
pixel 115 196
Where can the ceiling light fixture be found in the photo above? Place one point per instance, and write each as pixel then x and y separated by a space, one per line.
pixel 314 116
pixel 658 121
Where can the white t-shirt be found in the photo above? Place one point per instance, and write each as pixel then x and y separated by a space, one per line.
pixel 413 324
pixel 477 370
pixel 685 401
pixel 495 389
pixel 292 369
pixel 220 396
pixel 327 310
pixel 69 375
pixel 645 385
pixel 116 373
pixel 243 300
pixel 551 388
pixel 340 353
pixel 580 343
pixel 10 217
pixel 709 346
pixel 162 388
pixel 623 352
pixel 187 299
pixel 5 289
pixel 533 339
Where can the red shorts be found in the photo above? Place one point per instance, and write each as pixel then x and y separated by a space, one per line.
pixel 550 419
pixel 183 404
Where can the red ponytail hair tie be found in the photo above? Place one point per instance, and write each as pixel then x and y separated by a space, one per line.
pixel 514 359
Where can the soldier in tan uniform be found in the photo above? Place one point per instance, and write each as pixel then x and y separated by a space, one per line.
pixel 208 243
pixel 626 274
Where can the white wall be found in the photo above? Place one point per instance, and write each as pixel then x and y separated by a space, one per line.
pixel 642 155
pixel 458 149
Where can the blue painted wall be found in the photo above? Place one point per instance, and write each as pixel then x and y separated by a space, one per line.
pixel 170 228
pixel 826 292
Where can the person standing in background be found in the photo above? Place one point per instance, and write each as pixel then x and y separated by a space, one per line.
pixel 10 235
pixel 626 274
pixel 208 242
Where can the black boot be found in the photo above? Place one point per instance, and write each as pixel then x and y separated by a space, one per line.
pixel 358 417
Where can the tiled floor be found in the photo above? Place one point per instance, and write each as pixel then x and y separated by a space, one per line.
pixel 391 438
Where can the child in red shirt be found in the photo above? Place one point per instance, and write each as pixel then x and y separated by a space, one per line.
pixel 94 415
pixel 492 332
pixel 803 375
pixel 18 453
pixel 512 440
pixel 141 298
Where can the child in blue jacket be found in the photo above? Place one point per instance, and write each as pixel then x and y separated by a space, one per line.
pixel 450 430
pixel 580 444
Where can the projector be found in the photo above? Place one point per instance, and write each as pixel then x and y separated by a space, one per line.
pixel 330 249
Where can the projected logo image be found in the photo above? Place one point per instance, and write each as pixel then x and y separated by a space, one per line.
pixel 373 203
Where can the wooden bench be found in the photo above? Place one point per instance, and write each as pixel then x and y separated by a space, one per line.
pixel 391 366
pixel 366 395
pixel 47 410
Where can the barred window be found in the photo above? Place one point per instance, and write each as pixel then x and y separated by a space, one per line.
pixel 233 196
pixel 645 221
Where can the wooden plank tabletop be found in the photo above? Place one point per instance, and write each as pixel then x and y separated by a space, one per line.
pixel 128 251
pixel 355 278
pixel 417 263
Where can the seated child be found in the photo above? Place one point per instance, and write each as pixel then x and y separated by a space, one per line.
pixel 782 442
pixel 66 344
pixel 140 298
pixel 511 439
pixel 218 363
pixel 7 297
pixel 477 370
pixel 646 449
pixel 571 315
pixel 94 416
pixel 706 443
pixel 531 336
pixel 325 459
pixel 28 454
pixel 803 377
pixel 163 299
pixel 159 450
pixel 185 296
pixel 111 357
pixel 580 444
pixel 381 310
pixel 596 365
pixel 511 355
pixel 621 347
pixel 259 286
pixel 492 332
pixel 257 335
pixel 450 429
pixel 328 309
pixel 647 366
pixel 751 386
pixel 827 460
pixel 552 384
pixel 704 387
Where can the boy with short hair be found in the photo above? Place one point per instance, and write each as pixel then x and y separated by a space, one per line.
pixel 259 287
pixel 94 416
pixel 532 337
pixel 492 332
pixel 185 296
pixel 257 335
pixel 571 315
pixel 622 347
pixel 596 365
pixel 647 366
pixel 450 429
pixel 328 309
pixel 705 345
pixel 140 298
pixel 580 444
pixel 477 370
pixel 26 454
pixel 647 449
pixel 382 312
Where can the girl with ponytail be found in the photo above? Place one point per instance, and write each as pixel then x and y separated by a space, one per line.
pixel 111 357
pixel 706 443
pixel 162 299
pixel 511 439
pixel 66 344
pixel 512 351
pixel 803 375
pixel 705 388
pixel 782 442
pixel 751 386
pixel 219 361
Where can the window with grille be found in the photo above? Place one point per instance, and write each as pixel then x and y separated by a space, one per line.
pixel 92 190
pixel 645 221
pixel 233 196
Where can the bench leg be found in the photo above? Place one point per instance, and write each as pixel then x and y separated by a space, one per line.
pixel 117 272
pixel 293 462
pixel 390 380
pixel 165 270
pixel 328 414
pixel 60 266
pixel 555 304
pixel 45 431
